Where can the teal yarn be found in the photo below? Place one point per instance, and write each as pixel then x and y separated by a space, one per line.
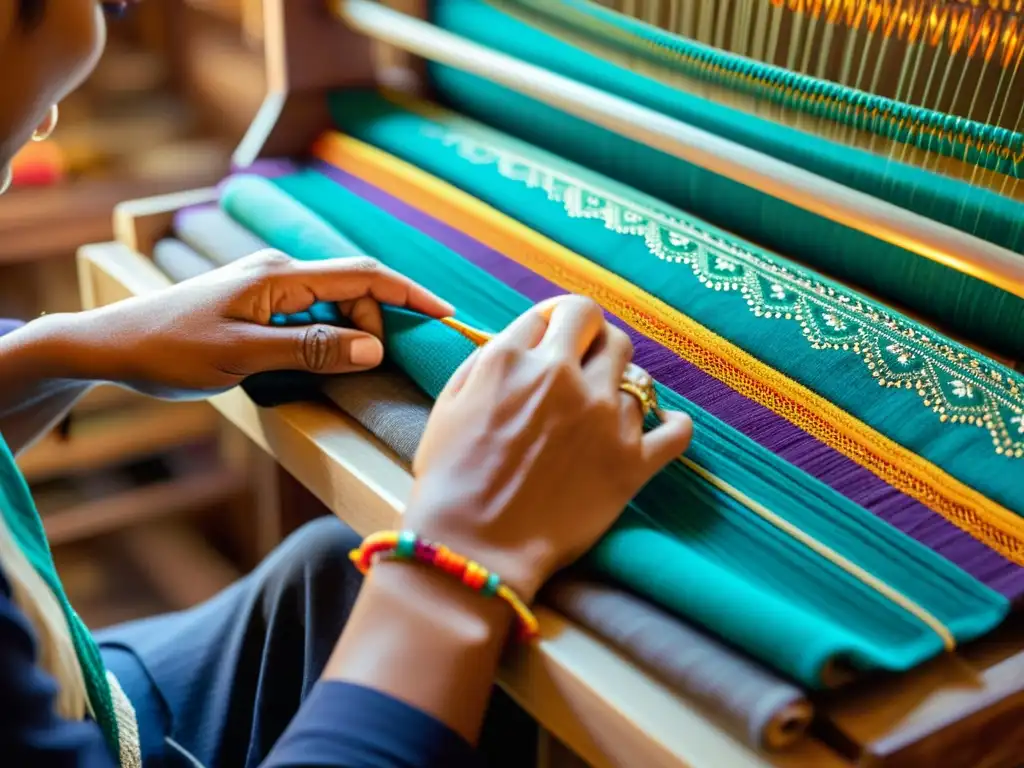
pixel 406 546
pixel 490 587
pixel 709 557
pixel 963 304
pixel 22 518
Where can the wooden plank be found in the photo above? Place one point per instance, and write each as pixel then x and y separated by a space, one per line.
pixel 307 54
pixel 182 566
pixel 81 211
pixel 139 224
pixel 109 439
pixel 189 493
pixel 963 710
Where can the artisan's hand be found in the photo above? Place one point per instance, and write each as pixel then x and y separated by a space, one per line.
pixel 209 333
pixel 532 451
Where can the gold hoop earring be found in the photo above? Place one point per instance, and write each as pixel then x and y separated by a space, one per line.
pixel 42 134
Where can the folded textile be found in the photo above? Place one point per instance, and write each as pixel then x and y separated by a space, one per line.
pixel 755 705
pixel 688 545
pixel 178 261
pixel 208 230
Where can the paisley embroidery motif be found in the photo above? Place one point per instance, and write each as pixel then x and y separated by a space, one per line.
pixel 956 384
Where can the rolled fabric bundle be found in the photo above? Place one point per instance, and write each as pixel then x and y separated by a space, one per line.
pixel 178 261
pixel 211 232
pixel 387 404
pixel 758 707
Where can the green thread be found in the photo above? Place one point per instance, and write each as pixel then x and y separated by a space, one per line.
pixel 990 147
pixel 27 528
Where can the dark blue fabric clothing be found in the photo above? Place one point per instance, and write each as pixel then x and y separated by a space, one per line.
pixel 30 733
pixel 233 682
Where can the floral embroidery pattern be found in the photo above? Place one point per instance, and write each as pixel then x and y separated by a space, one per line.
pixel 956 384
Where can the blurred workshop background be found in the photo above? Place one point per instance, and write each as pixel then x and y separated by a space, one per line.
pixel 150 506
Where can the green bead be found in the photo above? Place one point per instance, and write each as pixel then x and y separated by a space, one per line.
pixel 490 587
pixel 406 546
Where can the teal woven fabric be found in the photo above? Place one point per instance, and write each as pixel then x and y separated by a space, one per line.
pixel 26 526
pixel 682 543
pixel 964 304
pixel 498 170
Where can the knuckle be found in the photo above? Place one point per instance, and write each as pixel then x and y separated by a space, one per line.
pixel 317 349
pixel 502 357
pixel 363 264
pixel 564 381
pixel 585 306
pixel 619 339
pixel 270 260
pixel 605 406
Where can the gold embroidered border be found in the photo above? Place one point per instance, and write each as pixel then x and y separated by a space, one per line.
pixel 982 518
pixel 959 386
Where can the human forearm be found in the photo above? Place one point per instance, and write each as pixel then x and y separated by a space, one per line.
pixel 421 637
pixel 42 375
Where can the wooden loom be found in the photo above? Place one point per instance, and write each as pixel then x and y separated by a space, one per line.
pixel 963 710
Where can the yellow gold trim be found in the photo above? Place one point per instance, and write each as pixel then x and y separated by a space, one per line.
pixel 987 521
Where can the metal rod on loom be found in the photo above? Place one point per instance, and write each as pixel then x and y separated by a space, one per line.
pixel 828 199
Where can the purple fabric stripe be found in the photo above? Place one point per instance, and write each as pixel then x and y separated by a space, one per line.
pixel 8 325
pixel 270 168
pixel 188 210
pixel 754 420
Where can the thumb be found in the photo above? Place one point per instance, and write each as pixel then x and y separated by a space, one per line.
pixel 315 348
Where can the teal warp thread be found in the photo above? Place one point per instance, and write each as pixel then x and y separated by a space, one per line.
pixel 979 311
pixel 682 543
pixel 988 146
pixel 26 527
pixel 961 450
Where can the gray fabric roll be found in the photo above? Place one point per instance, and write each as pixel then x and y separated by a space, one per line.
pixel 214 234
pixel 178 261
pixel 387 404
pixel 756 706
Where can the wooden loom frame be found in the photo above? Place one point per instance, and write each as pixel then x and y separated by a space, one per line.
pixel 604 708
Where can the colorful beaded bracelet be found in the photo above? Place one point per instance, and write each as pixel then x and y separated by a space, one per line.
pixel 406 545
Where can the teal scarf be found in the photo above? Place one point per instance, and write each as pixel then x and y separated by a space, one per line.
pixel 26 526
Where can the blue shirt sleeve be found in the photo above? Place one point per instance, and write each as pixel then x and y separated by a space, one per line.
pixel 347 726
pixel 30 732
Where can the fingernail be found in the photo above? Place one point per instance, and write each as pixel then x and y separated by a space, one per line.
pixel 366 350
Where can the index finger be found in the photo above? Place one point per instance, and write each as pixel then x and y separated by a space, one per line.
pixel 359 277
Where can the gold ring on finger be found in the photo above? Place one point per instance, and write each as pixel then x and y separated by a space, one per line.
pixel 638 383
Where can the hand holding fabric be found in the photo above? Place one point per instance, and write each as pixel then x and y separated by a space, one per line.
pixel 532 451
pixel 207 334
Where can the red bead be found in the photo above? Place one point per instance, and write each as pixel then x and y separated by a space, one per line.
pixel 425 551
